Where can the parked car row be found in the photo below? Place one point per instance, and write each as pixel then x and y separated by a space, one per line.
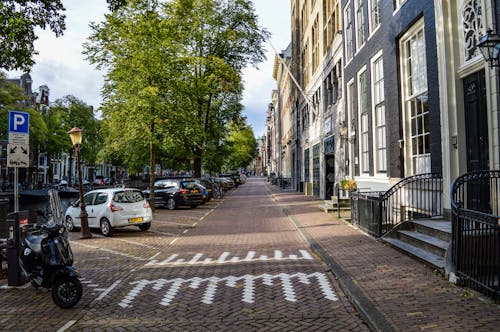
pixel 111 208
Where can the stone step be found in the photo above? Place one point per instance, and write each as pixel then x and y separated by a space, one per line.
pixel 424 241
pixel 330 208
pixel 424 255
pixel 438 228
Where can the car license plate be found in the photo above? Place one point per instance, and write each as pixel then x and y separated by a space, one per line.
pixel 194 190
pixel 135 219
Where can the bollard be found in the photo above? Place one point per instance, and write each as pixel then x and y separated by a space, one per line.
pixel 15 220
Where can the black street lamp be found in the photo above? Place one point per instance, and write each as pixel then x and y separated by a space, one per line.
pixel 76 139
pixel 489 45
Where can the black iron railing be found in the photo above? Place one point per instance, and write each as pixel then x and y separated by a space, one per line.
pixel 475 207
pixel 366 212
pixel 419 196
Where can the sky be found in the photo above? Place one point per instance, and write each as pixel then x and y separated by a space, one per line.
pixel 61 66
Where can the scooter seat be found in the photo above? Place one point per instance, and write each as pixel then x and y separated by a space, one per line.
pixel 35 242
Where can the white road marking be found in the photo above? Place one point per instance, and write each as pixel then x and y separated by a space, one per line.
pixel 165 233
pixel 109 289
pixel 11 287
pixel 135 243
pixel 108 250
pixel 154 256
pixel 247 285
pixel 225 258
pixel 66 326
pixel 173 241
pixel 185 231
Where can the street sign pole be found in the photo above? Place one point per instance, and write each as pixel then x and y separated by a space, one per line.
pixel 16 189
pixel 18 148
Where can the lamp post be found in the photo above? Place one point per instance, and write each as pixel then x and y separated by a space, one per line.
pixel 76 139
pixel 489 45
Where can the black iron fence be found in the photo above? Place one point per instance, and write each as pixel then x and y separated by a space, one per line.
pixel 366 211
pixel 475 207
pixel 419 196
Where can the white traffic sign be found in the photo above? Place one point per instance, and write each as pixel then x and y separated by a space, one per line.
pixel 19 139
pixel 17 155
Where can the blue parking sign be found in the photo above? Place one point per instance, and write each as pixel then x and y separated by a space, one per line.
pixel 19 122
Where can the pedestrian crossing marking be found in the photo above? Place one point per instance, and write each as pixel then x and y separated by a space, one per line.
pixel 226 258
pixel 248 283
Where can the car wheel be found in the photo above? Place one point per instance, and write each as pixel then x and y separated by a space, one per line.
pixel 171 204
pixel 70 226
pixel 106 228
pixel 145 227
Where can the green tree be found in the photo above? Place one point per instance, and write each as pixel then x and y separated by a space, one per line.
pixel 69 112
pixel 242 146
pixel 218 39
pixel 18 20
pixel 11 97
pixel 173 80
pixel 135 48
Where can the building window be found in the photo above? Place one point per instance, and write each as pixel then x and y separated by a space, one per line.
pixel 315 44
pixel 316 169
pixel 472 18
pixel 349 47
pixel 306 165
pixel 374 11
pixel 306 64
pixel 416 108
pixel 330 23
pixel 379 112
pixel 363 116
pixel 360 23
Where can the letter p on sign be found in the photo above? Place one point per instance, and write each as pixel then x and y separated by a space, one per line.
pixel 18 122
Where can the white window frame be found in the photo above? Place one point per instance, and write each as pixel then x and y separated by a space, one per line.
pixel 363 125
pixel 348 31
pixel 373 16
pixel 360 23
pixel 351 129
pixel 379 128
pixel 415 93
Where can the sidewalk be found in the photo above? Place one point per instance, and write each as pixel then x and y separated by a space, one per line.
pixel 391 290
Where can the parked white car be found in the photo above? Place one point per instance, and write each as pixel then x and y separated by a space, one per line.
pixel 111 208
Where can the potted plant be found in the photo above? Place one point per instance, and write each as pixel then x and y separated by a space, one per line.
pixel 348 185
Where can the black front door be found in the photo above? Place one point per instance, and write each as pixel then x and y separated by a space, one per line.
pixel 329 176
pixel 476 131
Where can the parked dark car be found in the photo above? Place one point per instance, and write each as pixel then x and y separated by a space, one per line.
pixel 208 186
pixel 235 176
pixel 172 193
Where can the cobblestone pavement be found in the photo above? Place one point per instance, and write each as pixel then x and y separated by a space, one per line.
pixel 395 291
pixel 231 264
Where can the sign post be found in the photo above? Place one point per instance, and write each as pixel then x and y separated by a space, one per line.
pixel 18 147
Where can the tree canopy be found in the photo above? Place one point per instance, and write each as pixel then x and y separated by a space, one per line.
pixel 173 76
pixel 18 20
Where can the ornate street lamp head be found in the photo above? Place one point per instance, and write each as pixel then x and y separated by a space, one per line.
pixel 489 45
pixel 76 136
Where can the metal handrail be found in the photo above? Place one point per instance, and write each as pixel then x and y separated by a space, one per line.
pixel 475 208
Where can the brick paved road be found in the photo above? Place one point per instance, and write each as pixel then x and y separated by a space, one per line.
pixel 228 265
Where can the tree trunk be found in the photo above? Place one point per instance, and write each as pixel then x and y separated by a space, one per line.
pixel 197 166
pixel 152 175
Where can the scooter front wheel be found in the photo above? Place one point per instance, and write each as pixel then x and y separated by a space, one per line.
pixel 67 291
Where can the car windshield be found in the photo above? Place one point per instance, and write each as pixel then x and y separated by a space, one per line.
pixel 165 184
pixel 188 184
pixel 128 196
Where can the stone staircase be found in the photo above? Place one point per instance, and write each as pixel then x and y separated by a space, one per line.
pixel 425 239
pixel 334 204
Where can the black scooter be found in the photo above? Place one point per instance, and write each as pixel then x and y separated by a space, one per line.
pixel 47 259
